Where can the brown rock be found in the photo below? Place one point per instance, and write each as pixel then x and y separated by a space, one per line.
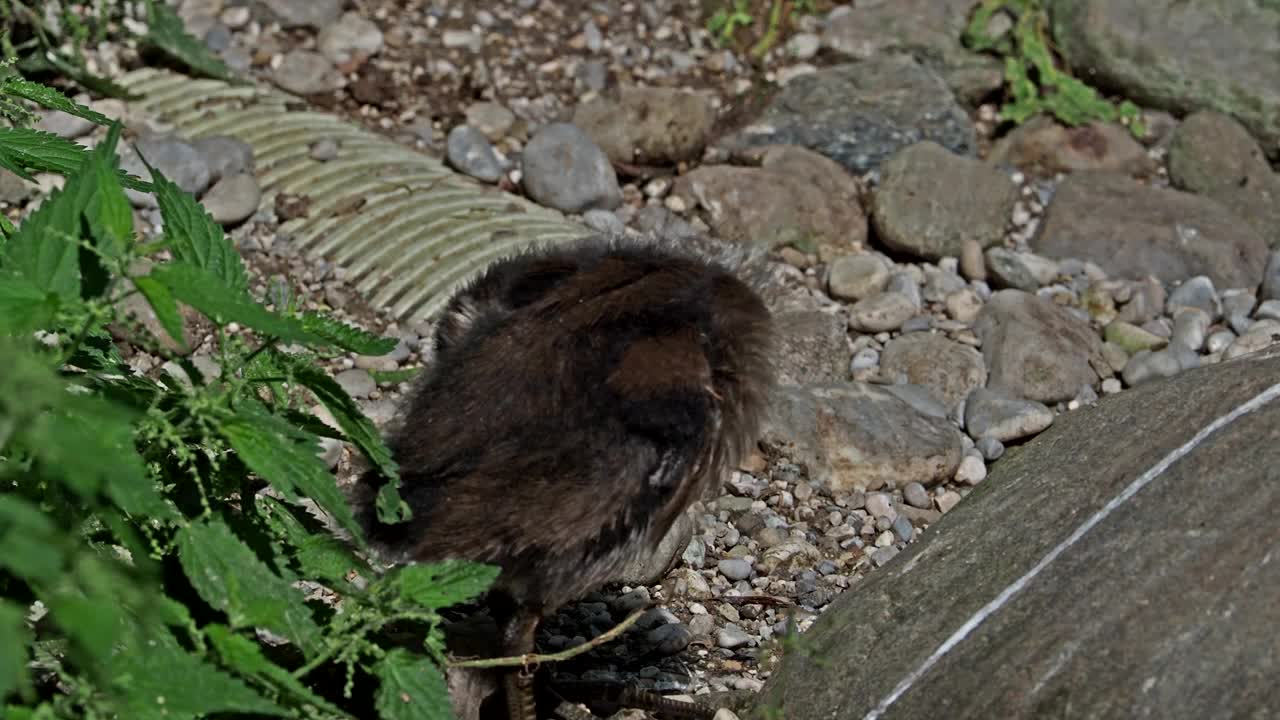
pixel 796 197
pixel 1044 147
pixel 1135 230
pixel 648 125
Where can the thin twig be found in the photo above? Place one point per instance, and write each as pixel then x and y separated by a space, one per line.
pixel 536 659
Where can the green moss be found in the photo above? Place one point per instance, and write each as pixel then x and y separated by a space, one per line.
pixel 1034 82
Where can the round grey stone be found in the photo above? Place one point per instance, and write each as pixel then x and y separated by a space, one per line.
pixel 356 382
pixel 565 170
pixel 304 72
pixel 225 155
pixel 1197 292
pixel 469 151
pixel 916 210
pixel 352 35
pixel 232 199
pixel 490 118
pixel 1148 365
pixel 734 568
pixel 670 639
pixel 854 277
pixel 916 496
pixel 903 528
pixel 175 158
pixel 990 448
pixel 1190 328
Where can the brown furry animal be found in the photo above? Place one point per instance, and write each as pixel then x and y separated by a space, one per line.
pixel 580 398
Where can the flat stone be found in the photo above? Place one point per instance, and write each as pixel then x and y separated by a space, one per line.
pixel 923 399
pixel 794 197
pixel 1212 154
pixel 1042 146
pixel 860 113
pixel 881 312
pixel 988 414
pixel 916 210
pixel 315 14
pixel 232 199
pixel 304 72
pixel 1197 292
pixel 352 36
pixel 1136 230
pixel 1112 623
pixel 1009 269
pixel 1178 56
pixel 1148 365
pixel 854 277
pixel 1132 338
pixel 855 436
pixel 1037 350
pixel 225 155
pixel 926 29
pixel 812 346
pixel 948 368
pixel 491 119
pixel 648 125
pixel 470 152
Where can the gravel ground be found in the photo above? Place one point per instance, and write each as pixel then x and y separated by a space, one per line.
pixel 778 545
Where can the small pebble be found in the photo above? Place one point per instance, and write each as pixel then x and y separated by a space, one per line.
pixel 972 470
pixel 915 495
pixel 734 568
pixel 731 637
pixel 903 528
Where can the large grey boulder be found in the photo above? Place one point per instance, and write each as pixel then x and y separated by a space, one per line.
pixel 1124 564
pixel 1180 56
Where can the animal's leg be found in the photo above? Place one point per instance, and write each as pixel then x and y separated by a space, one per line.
pixel 517 639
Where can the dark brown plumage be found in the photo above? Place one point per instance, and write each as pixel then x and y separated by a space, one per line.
pixel 579 399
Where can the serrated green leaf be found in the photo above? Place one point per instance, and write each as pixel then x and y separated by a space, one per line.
pixel 245 657
pixel 347 337
pixel 158 680
pixel 318 554
pixel 13 651
pixel 78 439
pixel 108 211
pixel 165 32
pixel 194 237
pixel 24 307
pixel 28 548
pixel 24 151
pixel 50 98
pixel 231 578
pixel 45 250
pixel 94 623
pixel 289 459
pixel 358 428
pixel 440 585
pixel 205 292
pixel 55 61
pixel 411 688
pixel 165 307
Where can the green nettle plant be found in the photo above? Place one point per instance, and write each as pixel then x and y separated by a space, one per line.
pixel 49 37
pixel 157 555
pixel 1035 83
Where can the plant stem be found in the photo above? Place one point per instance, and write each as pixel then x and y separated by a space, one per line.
pixel 536 659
